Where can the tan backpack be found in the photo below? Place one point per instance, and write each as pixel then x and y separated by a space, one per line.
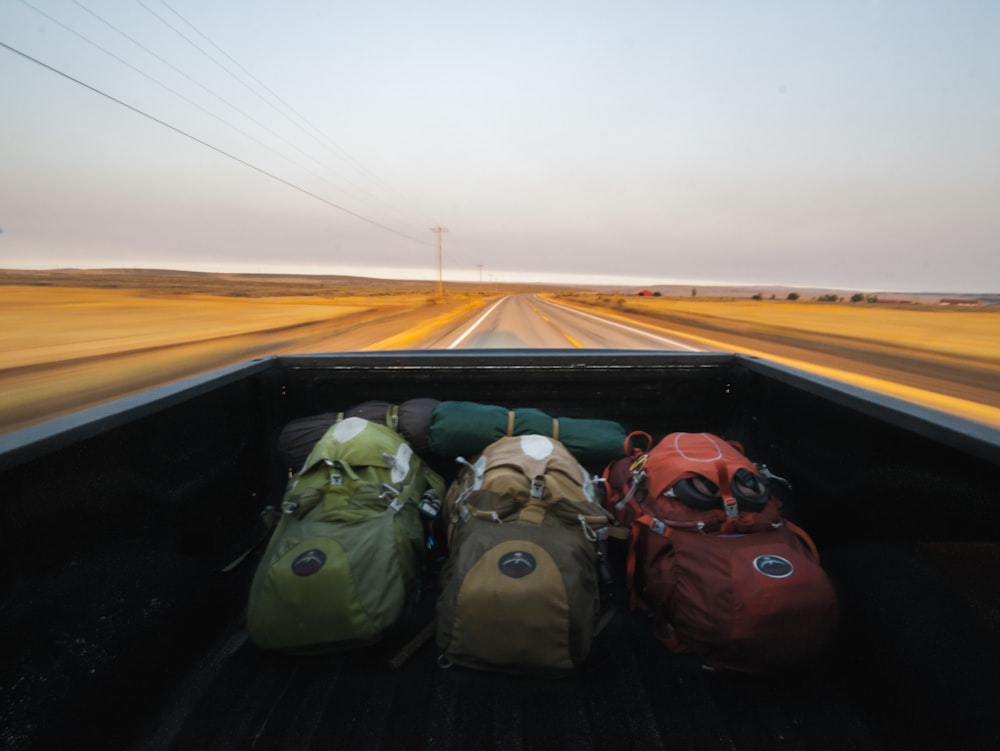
pixel 521 591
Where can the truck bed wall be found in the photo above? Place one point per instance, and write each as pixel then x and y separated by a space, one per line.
pixel 116 521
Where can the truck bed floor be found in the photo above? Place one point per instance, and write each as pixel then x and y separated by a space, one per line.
pixel 632 693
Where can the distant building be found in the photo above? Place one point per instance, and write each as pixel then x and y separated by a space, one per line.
pixel 644 293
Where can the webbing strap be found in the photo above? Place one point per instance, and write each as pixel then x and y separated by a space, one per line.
pixel 605 618
pixel 653 525
pixel 271 528
pixel 555 428
pixel 407 650
pixel 618 533
pixel 510 422
pixel 633 599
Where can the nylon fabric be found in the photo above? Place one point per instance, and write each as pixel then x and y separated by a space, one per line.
pixel 519 636
pixel 541 622
pixel 742 588
pixel 682 455
pixel 343 564
pixel 520 590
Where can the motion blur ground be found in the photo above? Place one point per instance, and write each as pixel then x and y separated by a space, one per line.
pixel 943 358
pixel 69 347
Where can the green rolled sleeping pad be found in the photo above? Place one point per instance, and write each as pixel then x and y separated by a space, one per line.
pixel 466 428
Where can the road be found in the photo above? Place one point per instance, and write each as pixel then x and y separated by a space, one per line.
pixel 528 321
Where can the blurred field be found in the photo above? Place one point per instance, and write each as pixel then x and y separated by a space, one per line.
pixel 941 357
pixel 965 332
pixel 66 348
pixel 51 324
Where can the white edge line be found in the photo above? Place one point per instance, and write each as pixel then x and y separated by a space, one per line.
pixel 623 326
pixel 476 324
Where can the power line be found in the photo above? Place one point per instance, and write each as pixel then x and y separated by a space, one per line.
pixel 216 149
pixel 192 80
pixel 162 85
pixel 304 123
pixel 173 67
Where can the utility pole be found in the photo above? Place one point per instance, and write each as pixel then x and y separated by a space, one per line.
pixel 439 231
pixel 480 276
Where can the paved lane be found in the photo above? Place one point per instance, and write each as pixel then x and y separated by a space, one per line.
pixel 527 321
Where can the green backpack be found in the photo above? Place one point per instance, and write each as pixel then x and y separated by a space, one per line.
pixel 344 562
pixel 522 590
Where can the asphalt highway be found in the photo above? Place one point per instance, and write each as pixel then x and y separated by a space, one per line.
pixel 528 321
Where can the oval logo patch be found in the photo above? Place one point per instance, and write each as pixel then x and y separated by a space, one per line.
pixel 774 566
pixel 309 562
pixel 517 564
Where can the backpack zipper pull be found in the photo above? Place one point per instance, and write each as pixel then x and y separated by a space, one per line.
pixel 588 532
pixel 637 478
pixel 478 469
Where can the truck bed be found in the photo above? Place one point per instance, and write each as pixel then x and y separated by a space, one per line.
pixel 122 631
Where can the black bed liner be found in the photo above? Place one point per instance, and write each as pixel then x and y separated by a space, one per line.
pixel 631 693
pixel 121 631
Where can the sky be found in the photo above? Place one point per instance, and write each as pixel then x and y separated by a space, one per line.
pixel 851 144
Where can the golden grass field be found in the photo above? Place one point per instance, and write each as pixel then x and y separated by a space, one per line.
pixel 946 358
pixel 965 332
pixel 49 324
pixel 66 347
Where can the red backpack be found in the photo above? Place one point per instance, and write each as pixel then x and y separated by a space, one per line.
pixel 725 576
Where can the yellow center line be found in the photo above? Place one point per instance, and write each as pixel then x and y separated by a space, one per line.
pixel 573 341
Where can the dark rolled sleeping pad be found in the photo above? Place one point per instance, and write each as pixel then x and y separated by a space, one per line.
pixel 411 418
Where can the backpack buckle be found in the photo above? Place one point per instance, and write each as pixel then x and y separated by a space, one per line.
pixel 658 527
pixel 538 488
pixel 731 507
pixel 430 504
pixel 389 493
